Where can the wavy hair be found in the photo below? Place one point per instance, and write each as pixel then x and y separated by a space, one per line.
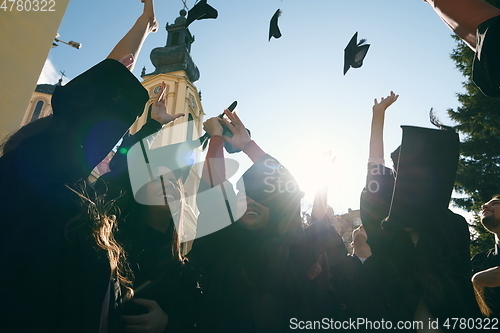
pixel 101 216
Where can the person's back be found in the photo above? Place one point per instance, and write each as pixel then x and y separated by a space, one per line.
pixel 58 277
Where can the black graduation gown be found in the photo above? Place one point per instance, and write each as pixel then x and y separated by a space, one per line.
pixel 482 261
pixel 436 270
pixel 53 278
pixel 248 277
pixel 158 275
pixel 172 284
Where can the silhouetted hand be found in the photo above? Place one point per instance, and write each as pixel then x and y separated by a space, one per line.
pixel 240 134
pixel 155 321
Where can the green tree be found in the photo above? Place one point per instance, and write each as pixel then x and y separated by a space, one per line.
pixel 478 120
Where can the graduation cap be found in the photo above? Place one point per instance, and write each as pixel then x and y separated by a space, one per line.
pixel 201 11
pixel 354 53
pixel 267 180
pixel 107 98
pixel 274 30
pixel 426 170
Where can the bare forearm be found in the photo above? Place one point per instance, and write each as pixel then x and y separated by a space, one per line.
pixel 214 169
pixel 464 16
pixel 376 154
pixel 253 151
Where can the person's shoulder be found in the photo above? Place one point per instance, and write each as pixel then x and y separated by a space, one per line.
pixel 481 256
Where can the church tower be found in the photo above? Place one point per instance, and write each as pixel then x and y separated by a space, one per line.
pixel 174 66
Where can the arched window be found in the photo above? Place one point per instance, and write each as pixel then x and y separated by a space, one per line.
pixel 190 129
pixel 37 111
pixel 175 38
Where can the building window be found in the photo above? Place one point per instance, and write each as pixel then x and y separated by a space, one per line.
pixel 189 135
pixel 175 38
pixel 37 111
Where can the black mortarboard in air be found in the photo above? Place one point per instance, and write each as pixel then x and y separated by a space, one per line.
pixel 201 11
pixel 274 30
pixel 426 170
pixel 354 53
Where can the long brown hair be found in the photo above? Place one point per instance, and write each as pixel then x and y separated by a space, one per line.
pixel 483 306
pixel 103 217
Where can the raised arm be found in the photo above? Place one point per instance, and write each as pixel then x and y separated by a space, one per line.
pixel 214 169
pixel 377 128
pixel 464 16
pixel 128 48
pixel 377 194
pixel 320 206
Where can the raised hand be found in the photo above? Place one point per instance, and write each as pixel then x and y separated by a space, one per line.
pixel 240 134
pixel 159 110
pixel 212 126
pixel 128 48
pixel 384 103
pixel 149 13
pixel 377 128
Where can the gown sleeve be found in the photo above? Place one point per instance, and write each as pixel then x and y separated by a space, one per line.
pixel 90 114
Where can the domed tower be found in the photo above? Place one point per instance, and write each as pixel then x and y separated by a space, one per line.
pixel 174 66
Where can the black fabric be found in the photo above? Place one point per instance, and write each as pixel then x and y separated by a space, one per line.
pixel 427 165
pixel 158 275
pixel 54 279
pixel 250 278
pixel 480 262
pixel 486 66
pixel 399 274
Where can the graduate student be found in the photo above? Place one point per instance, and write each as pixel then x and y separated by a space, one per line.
pixel 478 24
pixel 419 268
pixel 150 222
pixel 486 264
pixel 246 263
pixel 62 270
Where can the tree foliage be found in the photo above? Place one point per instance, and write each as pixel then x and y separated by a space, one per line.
pixel 478 120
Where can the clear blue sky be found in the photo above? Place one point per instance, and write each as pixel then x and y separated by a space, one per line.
pixel 291 91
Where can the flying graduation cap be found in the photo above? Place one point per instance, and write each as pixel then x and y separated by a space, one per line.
pixel 274 30
pixel 354 53
pixel 201 11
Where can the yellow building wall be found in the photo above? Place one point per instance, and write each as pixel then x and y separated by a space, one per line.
pixel 23 50
pixel 182 97
pixel 46 109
